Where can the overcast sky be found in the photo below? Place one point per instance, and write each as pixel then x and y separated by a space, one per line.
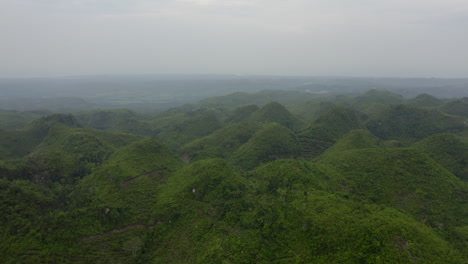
pixel 400 38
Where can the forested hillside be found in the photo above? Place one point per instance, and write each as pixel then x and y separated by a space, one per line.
pixel 268 177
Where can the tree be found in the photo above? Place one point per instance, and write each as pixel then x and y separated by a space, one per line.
pixel 133 245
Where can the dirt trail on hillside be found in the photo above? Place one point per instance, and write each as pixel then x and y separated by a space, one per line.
pixel 122 230
pixel 126 184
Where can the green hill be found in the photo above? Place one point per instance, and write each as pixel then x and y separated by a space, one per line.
pixel 140 162
pixel 105 119
pixel 241 113
pixel 275 112
pixel 456 107
pixel 404 179
pixel 11 119
pixel 178 129
pixel 288 175
pixel 67 154
pixel 327 129
pixel 312 109
pixel 256 187
pixel 282 218
pixel 273 141
pixel 425 100
pixel 355 139
pixel 377 96
pixel 407 122
pixel 221 143
pixel 448 151
pixel 16 144
pixel 287 98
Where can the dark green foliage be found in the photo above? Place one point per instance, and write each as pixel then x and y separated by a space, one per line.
pixel 374 102
pixel 288 98
pixel 67 154
pixel 406 122
pixel 456 107
pixel 221 143
pixel 312 110
pixel 10 119
pixel 14 144
pixel 179 129
pixel 404 179
pixel 355 139
pixel 70 194
pixel 378 96
pixel 40 127
pixel 290 175
pixel 123 120
pixel 211 181
pixel 328 128
pixel 241 113
pixel 139 161
pixel 272 142
pixel 425 100
pixel 23 206
pixel 448 151
pixel 287 220
pixel 275 112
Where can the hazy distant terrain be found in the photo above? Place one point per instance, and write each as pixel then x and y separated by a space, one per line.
pixel 159 92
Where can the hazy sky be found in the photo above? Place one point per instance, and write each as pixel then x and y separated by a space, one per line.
pixel 424 38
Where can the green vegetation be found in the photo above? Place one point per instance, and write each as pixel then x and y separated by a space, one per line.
pixel 327 129
pixel 456 107
pixel 425 100
pixel 272 142
pixel 405 122
pixel 368 178
pixel 448 151
pixel 11 119
pixel 275 112
pixel 221 143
